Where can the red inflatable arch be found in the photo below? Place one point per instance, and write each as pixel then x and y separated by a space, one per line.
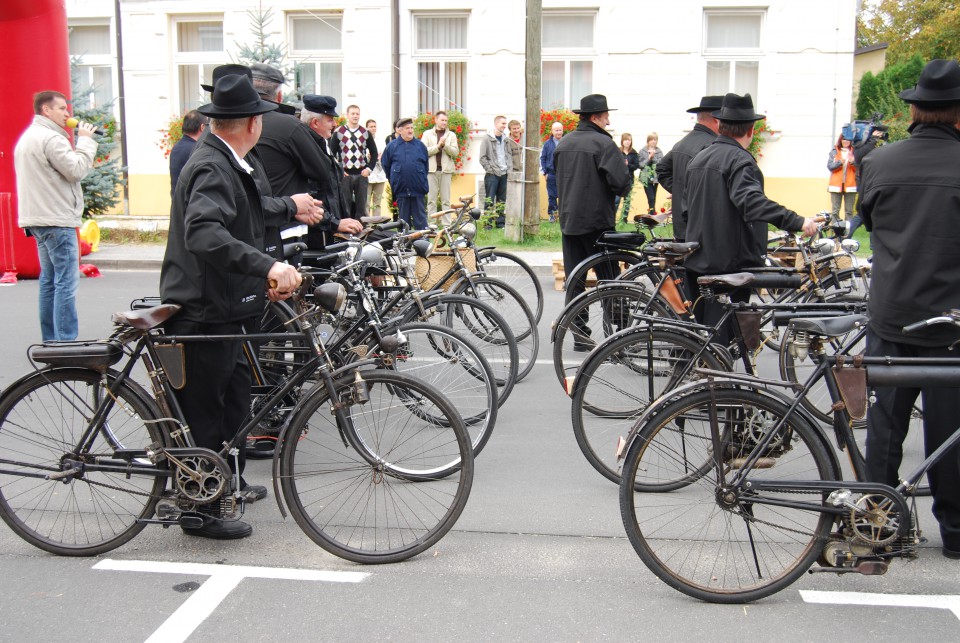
pixel 35 54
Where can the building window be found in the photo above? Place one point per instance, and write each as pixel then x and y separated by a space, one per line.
pixel 732 52
pixel 440 49
pixel 316 48
pixel 91 66
pixel 568 52
pixel 199 48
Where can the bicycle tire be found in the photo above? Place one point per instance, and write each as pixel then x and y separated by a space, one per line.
pixel 442 358
pixel 479 324
pixel 369 513
pixel 736 554
pixel 516 273
pixel 620 260
pixel 42 418
pixel 507 301
pixel 614 387
pixel 608 309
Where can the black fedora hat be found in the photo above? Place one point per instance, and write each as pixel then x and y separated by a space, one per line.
pixel 235 97
pixel 939 85
pixel 593 104
pixel 227 70
pixel 737 109
pixel 707 104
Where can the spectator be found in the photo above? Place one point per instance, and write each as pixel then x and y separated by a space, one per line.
pixel 358 154
pixel 50 205
pixel 631 158
pixel 672 170
pixel 515 145
pixel 843 178
pixel 650 156
pixel 909 196
pixel 728 211
pixel 377 178
pixel 548 169
pixel 442 150
pixel 496 163
pixel 405 162
pixel 193 124
pixel 216 269
pixel 590 174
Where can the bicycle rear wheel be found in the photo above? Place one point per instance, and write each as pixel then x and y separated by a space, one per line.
pixel 42 419
pixel 705 539
pixel 399 492
pixel 516 273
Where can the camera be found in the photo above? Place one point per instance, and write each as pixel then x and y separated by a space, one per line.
pixel 859 131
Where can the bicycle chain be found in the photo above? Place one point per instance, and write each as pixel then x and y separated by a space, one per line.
pixel 777 526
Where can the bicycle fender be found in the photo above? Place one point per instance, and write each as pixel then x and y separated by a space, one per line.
pixel 567 309
pixel 342 373
pixel 621 255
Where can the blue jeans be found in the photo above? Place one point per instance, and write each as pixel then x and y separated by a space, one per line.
pixel 413 210
pixel 552 194
pixel 59 279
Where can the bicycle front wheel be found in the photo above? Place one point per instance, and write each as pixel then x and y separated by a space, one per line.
pixel 705 539
pixel 387 486
pixel 42 421
pixel 516 273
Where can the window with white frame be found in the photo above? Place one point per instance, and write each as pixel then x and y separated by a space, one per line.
pixel 732 52
pixel 198 49
pixel 92 68
pixel 440 49
pixel 316 48
pixel 568 51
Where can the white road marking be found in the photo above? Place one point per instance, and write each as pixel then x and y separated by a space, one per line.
pixel 222 580
pixel 945 602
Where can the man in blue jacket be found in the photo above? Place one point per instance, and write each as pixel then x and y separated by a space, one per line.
pixel 549 170
pixel 405 163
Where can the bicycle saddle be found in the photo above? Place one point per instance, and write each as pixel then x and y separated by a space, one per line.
pixel 623 240
pixel 675 248
pixel 651 220
pixel 369 221
pixel 829 326
pixel 750 280
pixel 146 318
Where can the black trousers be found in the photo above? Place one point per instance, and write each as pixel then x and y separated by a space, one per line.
pixel 216 398
pixel 888 420
pixel 356 188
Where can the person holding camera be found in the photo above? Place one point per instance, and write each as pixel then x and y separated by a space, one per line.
pixel 843 177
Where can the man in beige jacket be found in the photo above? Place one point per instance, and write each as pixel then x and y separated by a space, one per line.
pixel 50 204
pixel 442 151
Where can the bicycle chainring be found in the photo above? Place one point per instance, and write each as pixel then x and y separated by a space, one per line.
pixel 199 479
pixel 873 520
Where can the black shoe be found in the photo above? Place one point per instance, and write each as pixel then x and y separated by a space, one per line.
pixel 260 449
pixel 952 554
pixel 252 492
pixel 218 529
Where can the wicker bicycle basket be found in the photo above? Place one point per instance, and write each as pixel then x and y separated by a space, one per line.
pixel 431 270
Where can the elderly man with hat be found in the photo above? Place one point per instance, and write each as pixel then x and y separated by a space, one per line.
pixel 216 269
pixel 590 174
pixel 672 170
pixel 727 209
pixel 910 203
pixel 405 161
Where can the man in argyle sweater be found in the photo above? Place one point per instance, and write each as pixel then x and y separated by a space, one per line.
pixel 358 155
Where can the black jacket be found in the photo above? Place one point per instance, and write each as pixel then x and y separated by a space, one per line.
pixel 329 191
pixel 179 156
pixel 910 202
pixel 590 173
pixel 672 171
pixel 214 265
pixel 728 210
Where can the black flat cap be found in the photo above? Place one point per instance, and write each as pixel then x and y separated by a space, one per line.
pixel 267 72
pixel 320 104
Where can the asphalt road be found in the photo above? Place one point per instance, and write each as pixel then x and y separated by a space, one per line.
pixel 539 554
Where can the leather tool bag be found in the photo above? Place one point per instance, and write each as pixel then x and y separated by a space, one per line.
pixel 173 363
pixel 852 382
pixel 749 321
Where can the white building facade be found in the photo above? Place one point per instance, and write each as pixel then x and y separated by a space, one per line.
pixel 652 60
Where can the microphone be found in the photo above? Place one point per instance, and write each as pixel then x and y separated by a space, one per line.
pixel 72 124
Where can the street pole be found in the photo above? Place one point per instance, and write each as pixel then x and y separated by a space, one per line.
pixel 532 142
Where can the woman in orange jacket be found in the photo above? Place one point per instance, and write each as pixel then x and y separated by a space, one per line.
pixel 843 179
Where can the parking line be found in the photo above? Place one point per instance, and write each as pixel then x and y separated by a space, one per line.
pixel 936 601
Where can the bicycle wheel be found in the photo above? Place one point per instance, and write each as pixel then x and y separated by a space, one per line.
pixel 479 324
pixel 516 273
pixel 42 419
pixel 506 301
pixel 721 547
pixel 384 501
pixel 615 262
pixel 592 317
pixel 445 360
pixel 620 379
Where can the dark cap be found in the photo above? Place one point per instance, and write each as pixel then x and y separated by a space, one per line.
pixel 707 104
pixel 235 97
pixel 593 104
pixel 320 104
pixel 938 86
pixel 227 70
pixel 406 120
pixel 738 109
pixel 264 71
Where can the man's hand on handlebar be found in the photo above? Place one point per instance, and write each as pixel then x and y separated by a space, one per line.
pixel 350 226
pixel 282 280
pixel 811 226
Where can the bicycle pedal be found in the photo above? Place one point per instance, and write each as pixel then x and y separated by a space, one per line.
pixel 191 522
